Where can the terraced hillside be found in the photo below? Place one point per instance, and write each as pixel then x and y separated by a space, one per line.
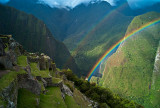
pixel 31 80
pixel 129 72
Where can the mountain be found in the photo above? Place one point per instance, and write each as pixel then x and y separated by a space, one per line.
pixel 87 30
pixel 133 71
pixel 31 80
pixel 56 19
pixel 34 35
pixel 100 28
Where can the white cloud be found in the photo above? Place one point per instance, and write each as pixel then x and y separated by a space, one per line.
pixel 72 3
pixel 64 3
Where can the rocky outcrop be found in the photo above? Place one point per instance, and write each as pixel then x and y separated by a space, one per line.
pixel 5 61
pixel 2 47
pixel 16 47
pixel 9 59
pixel 65 90
pixel 10 93
pixel 30 84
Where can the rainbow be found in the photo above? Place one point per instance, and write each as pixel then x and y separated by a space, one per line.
pixel 110 51
pixel 91 30
pixel 95 27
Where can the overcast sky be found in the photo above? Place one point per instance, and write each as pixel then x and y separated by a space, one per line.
pixel 73 3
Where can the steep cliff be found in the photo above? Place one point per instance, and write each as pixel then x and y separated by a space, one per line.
pixel 129 72
pixel 34 36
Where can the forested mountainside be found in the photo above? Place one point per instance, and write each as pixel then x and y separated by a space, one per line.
pixel 87 31
pixel 133 71
pixel 34 35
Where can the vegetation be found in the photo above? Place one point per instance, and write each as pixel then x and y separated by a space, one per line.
pixel 26 99
pixel 70 102
pixel 88 48
pixel 36 72
pixel 78 97
pixel 8 78
pixel 129 71
pixel 52 99
pixel 56 80
pixel 22 61
pixel 99 94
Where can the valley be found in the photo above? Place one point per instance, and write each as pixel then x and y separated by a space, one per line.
pixel 93 54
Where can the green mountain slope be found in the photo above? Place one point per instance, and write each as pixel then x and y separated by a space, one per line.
pixel 129 71
pixel 89 46
pixel 34 36
pixel 76 27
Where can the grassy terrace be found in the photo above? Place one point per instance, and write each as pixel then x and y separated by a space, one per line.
pixel 70 102
pixel 26 99
pixel 36 72
pixel 22 61
pixel 52 99
pixel 8 78
pixel 56 80
pixel 78 97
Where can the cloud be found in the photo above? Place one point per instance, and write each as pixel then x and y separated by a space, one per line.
pixel 72 3
pixel 63 3
pixel 4 1
pixel 141 3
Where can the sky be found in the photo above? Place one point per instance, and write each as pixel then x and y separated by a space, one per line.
pixel 73 3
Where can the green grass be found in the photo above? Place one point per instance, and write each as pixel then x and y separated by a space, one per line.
pixel 70 102
pixel 56 80
pixel 8 78
pixel 78 97
pixel 42 86
pixel 36 72
pixel 26 99
pixel 52 99
pixel 22 61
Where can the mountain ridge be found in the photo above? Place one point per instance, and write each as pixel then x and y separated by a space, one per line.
pixel 133 63
pixel 34 36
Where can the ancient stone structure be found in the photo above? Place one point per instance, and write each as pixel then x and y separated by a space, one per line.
pixel 30 84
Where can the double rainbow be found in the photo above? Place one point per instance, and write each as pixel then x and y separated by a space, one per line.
pixel 110 51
